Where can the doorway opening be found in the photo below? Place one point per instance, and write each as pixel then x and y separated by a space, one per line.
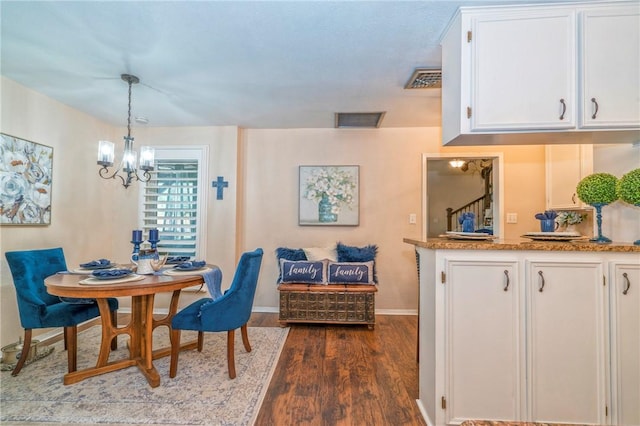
pixel 472 183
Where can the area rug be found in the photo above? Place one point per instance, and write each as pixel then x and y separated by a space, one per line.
pixel 200 394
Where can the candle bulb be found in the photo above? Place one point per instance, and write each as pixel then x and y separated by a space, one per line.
pixel 136 235
pixel 153 235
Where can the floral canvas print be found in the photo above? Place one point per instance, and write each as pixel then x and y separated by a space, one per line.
pixel 25 182
pixel 329 195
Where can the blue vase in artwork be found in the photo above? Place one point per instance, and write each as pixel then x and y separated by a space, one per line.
pixel 325 208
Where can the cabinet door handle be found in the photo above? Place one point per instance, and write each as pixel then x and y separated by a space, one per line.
pixel 573 198
pixel 506 285
pixel 564 109
pixel 627 284
pixel 541 281
pixel 595 104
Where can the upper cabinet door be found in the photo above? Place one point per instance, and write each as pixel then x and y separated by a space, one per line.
pixel 523 70
pixel 611 67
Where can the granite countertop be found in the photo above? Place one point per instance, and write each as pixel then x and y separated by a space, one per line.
pixel 510 423
pixel 522 244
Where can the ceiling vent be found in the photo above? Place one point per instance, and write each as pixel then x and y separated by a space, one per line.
pixel 425 78
pixel 367 120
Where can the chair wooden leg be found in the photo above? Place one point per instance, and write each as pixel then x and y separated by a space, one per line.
pixel 245 338
pixel 65 338
pixel 72 347
pixel 26 347
pixel 114 323
pixel 200 340
pixel 175 350
pixel 231 362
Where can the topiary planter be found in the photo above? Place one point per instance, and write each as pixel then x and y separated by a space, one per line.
pixel 628 190
pixel 598 190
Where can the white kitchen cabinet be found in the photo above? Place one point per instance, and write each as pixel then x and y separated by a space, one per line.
pixel 625 342
pixel 610 83
pixel 567 342
pixel 526 74
pixel 522 70
pixel 567 354
pixel 483 340
pixel 566 165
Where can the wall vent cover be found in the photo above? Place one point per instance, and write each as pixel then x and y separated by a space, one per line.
pixel 425 78
pixel 358 119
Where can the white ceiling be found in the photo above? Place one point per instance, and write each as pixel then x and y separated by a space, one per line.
pixel 254 64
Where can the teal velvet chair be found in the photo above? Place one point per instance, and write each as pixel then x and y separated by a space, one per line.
pixel 39 309
pixel 228 312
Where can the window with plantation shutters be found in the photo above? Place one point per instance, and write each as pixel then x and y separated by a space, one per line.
pixel 173 201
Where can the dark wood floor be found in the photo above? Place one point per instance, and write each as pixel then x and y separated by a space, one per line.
pixel 344 375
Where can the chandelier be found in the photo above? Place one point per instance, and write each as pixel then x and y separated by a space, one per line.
pixel 126 170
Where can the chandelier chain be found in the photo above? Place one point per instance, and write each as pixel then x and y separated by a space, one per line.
pixel 129 113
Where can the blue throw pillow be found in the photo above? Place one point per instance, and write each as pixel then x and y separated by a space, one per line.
pixel 288 254
pixel 303 271
pixel 350 273
pixel 358 254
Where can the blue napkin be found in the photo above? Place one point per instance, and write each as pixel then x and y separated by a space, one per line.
pixel 465 216
pixel 94 263
pixel 111 273
pixel 191 265
pixel 213 279
pixel 547 215
pixel 172 260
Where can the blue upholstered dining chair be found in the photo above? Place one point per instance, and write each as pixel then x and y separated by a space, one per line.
pixel 39 309
pixel 226 313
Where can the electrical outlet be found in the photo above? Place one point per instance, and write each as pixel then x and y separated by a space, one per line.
pixel 512 217
pixel 412 218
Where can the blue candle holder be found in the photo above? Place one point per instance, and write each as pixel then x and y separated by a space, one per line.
pixel 600 239
pixel 136 249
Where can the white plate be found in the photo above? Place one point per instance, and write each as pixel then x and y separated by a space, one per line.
pixel 551 237
pixel 468 236
pixel 553 234
pixel 128 278
pixel 89 271
pixel 174 271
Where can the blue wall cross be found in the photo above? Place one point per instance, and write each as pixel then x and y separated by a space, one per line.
pixel 221 184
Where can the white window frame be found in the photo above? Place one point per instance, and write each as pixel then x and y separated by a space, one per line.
pixel 201 154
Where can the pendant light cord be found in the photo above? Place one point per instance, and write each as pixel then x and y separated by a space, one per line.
pixel 129 113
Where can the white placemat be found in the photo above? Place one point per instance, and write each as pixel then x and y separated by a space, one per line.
pixel 128 278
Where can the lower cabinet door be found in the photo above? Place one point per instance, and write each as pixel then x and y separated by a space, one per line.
pixel 482 341
pixel 625 280
pixel 567 342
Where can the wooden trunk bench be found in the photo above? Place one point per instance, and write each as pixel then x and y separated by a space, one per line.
pixel 327 304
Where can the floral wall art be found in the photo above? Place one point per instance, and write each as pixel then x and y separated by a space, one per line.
pixel 25 182
pixel 329 195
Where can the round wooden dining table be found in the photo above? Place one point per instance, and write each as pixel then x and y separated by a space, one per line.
pixel 141 325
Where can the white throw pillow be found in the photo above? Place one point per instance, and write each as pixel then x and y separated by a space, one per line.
pixel 321 253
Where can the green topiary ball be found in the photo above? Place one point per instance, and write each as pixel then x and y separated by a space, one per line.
pixel 628 187
pixel 598 188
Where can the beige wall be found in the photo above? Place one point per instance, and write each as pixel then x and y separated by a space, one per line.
pixel 93 218
pixel 81 208
pixel 390 163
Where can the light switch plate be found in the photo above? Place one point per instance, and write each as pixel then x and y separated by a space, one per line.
pixel 512 217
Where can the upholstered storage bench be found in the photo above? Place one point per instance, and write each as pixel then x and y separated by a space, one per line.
pixel 333 285
pixel 327 304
